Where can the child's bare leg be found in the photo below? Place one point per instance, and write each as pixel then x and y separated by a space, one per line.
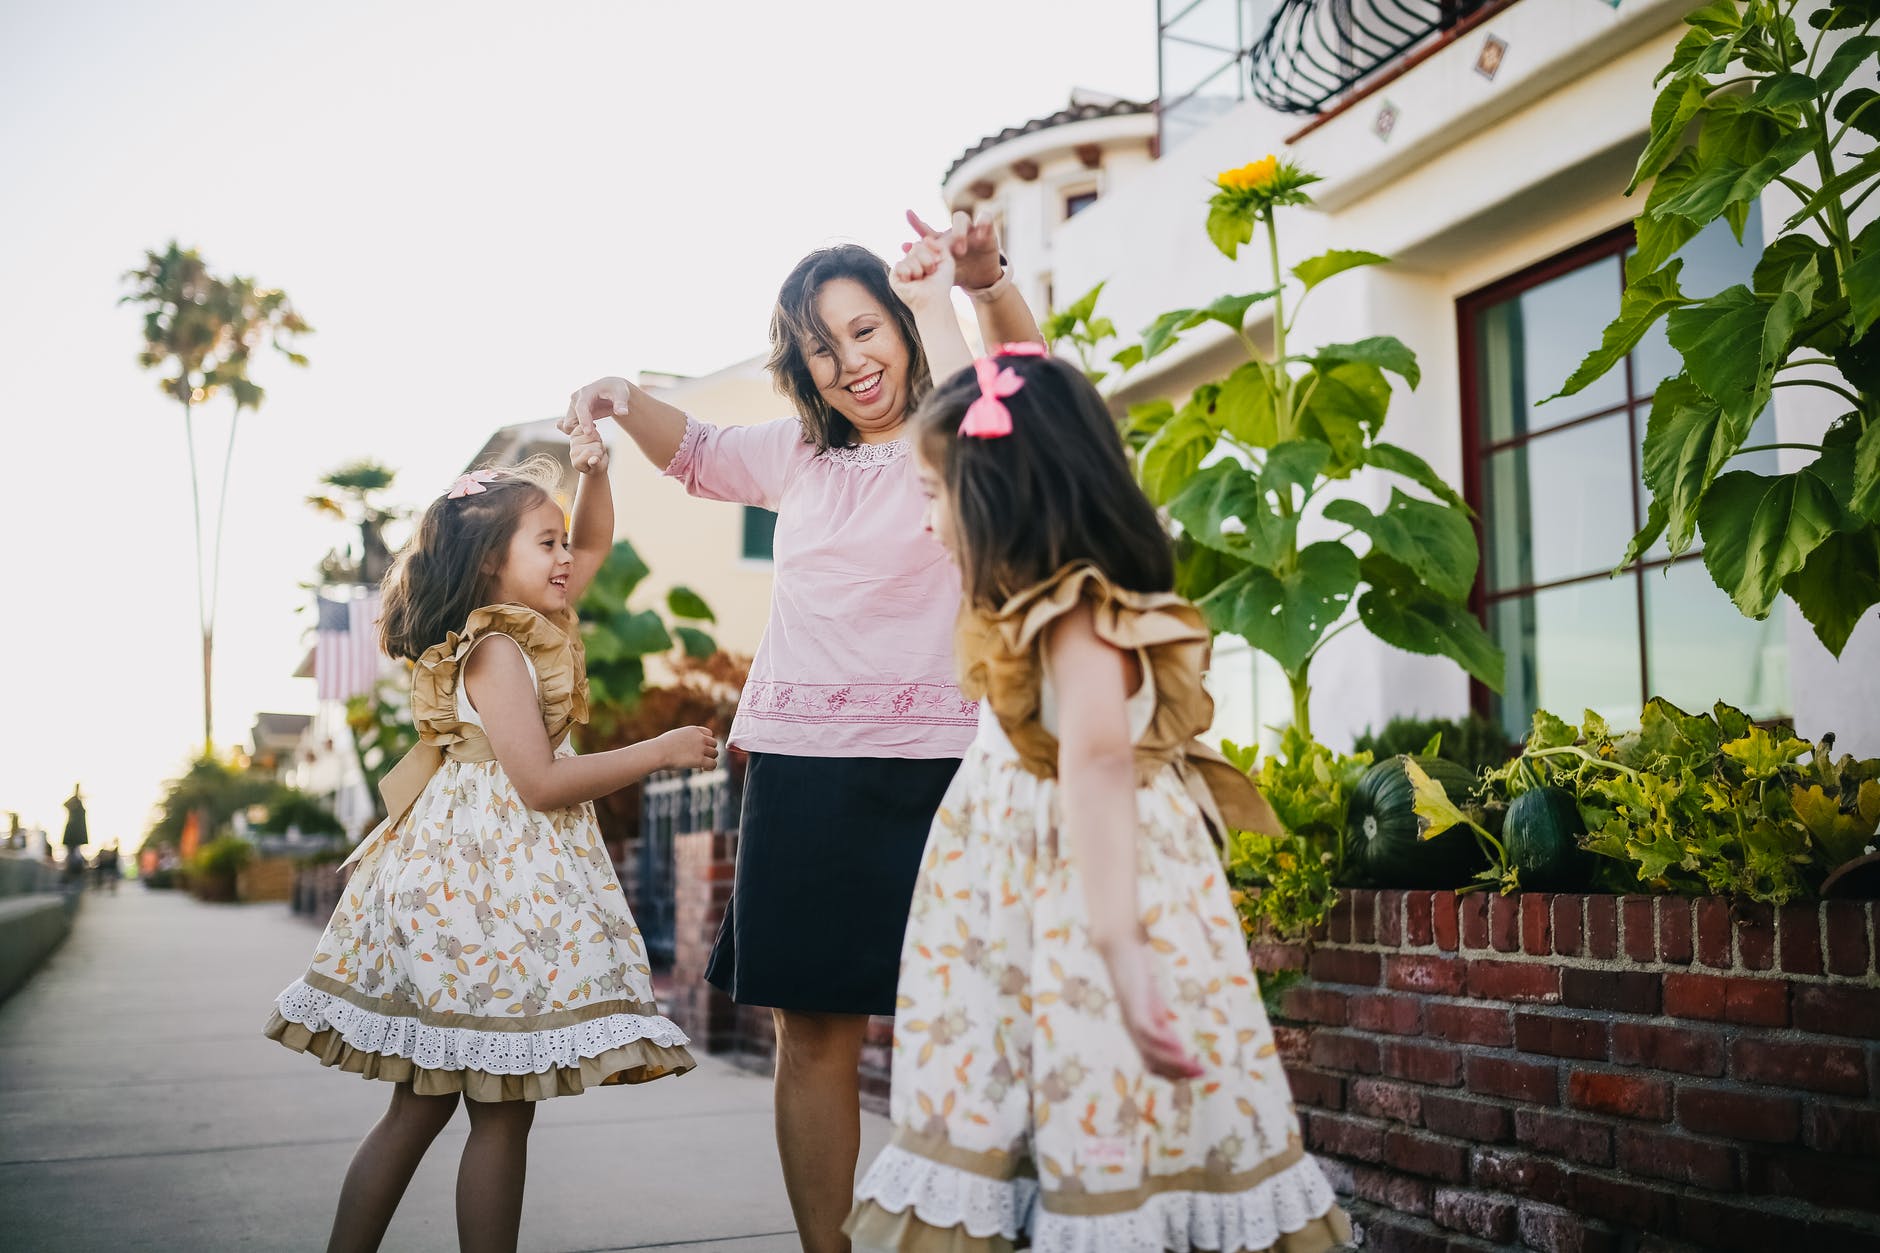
pixel 489 1180
pixel 819 1120
pixel 383 1166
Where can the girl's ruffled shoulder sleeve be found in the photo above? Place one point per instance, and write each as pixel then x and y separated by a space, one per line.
pixel 553 646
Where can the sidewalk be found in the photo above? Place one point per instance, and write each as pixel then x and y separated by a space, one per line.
pixel 141 1108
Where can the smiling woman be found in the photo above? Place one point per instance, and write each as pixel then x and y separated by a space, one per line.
pixel 852 716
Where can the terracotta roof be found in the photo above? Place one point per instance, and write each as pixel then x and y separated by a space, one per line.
pixel 1077 112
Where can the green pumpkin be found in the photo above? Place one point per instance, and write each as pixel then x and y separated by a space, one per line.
pixel 1381 827
pixel 1542 836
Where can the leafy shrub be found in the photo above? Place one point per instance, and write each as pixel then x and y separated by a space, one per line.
pixel 1476 743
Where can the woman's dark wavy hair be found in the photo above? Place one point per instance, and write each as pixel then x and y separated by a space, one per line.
pixel 796 322
pixel 447 569
pixel 1056 490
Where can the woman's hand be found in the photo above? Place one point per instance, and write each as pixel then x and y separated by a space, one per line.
pixel 974 245
pixel 603 398
pixel 923 278
pixel 587 450
pixel 1146 1016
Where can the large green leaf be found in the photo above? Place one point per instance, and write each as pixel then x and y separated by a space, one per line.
pixel 1403 612
pixel 1128 357
pixel 1721 341
pixel 1284 617
pixel 1345 403
pixel 1686 443
pixel 1647 298
pixel 1383 351
pixel 1660 235
pixel 1758 530
pixel 1229 311
pixel 614 582
pixel 1200 569
pixel 1245 406
pixel 1656 517
pixel 1295 463
pixel 686 603
pixel 1837 585
pixel 639 633
pixel 1724 516
pixel 1403 461
pixel 1175 453
pixel 1163 333
pixel 1858 52
pixel 1862 280
pixel 1784 91
pixel 1315 270
pixel 1680 101
pixel 1787 313
pixel 698 644
pixel 1740 151
pixel 1435 542
pixel 1860 109
pixel 1229 229
pixel 1865 496
pixel 1224 507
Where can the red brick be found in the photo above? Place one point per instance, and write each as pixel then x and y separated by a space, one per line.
pixel 1316 1087
pixel 1418 924
pixel 1830 1182
pixel 1676 942
pixel 1504 924
pixel 1537 1083
pixel 1602 926
pixel 1800 939
pixel 1847 937
pixel 1713 931
pixel 1293 1042
pixel 1546 1229
pixel 1376 1098
pixel 1850 1129
pixel 1628 1204
pixel 1756 936
pixel 1627 1095
pixel 1839 1011
pixel 1520 1174
pixel 1345 1137
pixel 1386 1234
pixel 1479 1214
pixel 1390 919
pixel 1535 938
pixel 1393 1015
pixel 1270 958
pixel 1739 1115
pixel 1337 1051
pixel 1424 1155
pixel 1313 1004
pixel 1338 924
pixel 1562 1135
pixel 1470 1024
pixel 1364 917
pixel 1514 981
pixel 1623 991
pixel 1559 1036
pixel 1342 965
pixel 1700 1163
pixel 1569 924
pixel 1416 972
pixel 1423 1063
pixel 1474 911
pixel 1641 929
pixel 1716 998
pixel 1471 1120
pixel 1837 1068
pixel 1444 924
pixel 1667 1048
pixel 1401 1193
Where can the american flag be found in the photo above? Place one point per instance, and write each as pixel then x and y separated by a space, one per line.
pixel 346 646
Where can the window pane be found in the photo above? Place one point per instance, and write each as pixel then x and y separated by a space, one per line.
pixel 760 529
pixel 1569 649
pixel 1529 344
pixel 1702 650
pixel 1560 505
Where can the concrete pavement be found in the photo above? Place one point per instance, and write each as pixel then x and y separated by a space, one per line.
pixel 140 1108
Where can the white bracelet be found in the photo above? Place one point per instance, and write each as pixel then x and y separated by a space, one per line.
pixel 990 294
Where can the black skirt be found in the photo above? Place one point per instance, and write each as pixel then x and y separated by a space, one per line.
pixel 828 848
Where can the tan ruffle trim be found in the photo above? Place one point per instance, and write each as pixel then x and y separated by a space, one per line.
pixel 553 647
pixel 873 1227
pixel 1004 666
pixel 638 1062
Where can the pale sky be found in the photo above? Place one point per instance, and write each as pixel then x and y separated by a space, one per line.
pixel 479 207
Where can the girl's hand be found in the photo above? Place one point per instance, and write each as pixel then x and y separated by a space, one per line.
pixel 1147 1017
pixel 923 279
pixel 689 748
pixel 603 398
pixel 974 245
pixel 587 450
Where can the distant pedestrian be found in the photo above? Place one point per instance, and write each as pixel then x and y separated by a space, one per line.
pixel 76 834
pixel 109 867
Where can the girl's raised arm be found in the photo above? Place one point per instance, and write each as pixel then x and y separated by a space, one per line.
pixel 591 531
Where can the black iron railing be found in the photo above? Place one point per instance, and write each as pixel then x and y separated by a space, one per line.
pixel 674 804
pixel 1314 51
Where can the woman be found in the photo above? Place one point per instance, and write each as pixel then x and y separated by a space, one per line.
pixel 852 716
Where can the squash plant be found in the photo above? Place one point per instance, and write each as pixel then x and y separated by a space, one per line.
pixel 1748 101
pixel 1244 467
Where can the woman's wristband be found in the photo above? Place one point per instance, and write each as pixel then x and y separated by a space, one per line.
pixel 993 293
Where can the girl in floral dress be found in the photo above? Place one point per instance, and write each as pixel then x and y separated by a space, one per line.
pixel 482 947
pixel 1081 1059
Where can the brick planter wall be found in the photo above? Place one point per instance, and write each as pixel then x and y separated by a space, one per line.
pixel 1580 1073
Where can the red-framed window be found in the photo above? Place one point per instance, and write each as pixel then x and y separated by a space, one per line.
pixel 1558 494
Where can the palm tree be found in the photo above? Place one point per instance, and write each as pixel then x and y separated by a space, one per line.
pixel 207 328
pixel 349 496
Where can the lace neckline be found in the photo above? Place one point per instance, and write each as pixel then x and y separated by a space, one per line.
pixel 870 454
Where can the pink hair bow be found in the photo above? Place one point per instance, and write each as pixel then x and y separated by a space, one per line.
pixel 471 484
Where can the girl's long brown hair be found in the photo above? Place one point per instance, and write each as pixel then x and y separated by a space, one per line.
pixel 448 568
pixel 796 322
pixel 1057 490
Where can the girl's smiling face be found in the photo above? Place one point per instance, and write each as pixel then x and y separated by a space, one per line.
pixel 862 370
pixel 537 563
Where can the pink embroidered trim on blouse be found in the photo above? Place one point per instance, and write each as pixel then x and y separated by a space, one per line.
pixel 694 429
pixel 931 704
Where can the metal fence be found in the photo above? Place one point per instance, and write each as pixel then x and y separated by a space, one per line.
pixel 671 805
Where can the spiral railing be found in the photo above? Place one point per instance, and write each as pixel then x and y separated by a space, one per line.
pixel 1313 51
